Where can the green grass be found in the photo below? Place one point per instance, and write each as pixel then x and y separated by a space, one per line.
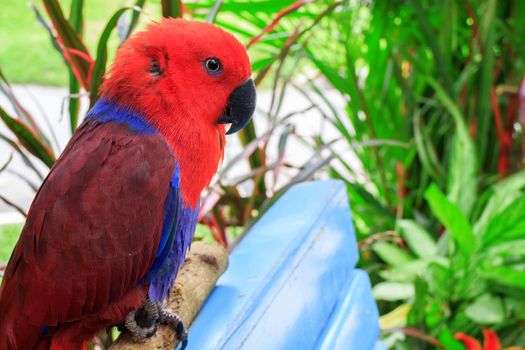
pixel 26 53
pixel 8 238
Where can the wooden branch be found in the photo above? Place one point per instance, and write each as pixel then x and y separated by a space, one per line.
pixel 196 279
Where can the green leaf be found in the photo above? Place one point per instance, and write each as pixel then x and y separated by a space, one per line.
pixel 486 77
pixel 453 219
pixel 139 4
pixel 332 75
pixel 503 194
pixel 406 272
pixel 417 312
pixel 28 139
pixel 507 225
pixel 102 54
pixel 508 249
pixel 212 15
pixel 76 17
pixel 418 239
pixel 439 280
pixel 431 36
pixel 391 254
pixel 425 149
pixel 171 8
pixel 486 309
pixel 449 342
pixel 505 276
pixel 462 177
pixel 392 291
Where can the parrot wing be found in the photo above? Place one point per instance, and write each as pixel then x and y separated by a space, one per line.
pixel 95 226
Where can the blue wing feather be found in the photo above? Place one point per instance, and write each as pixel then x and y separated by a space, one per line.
pixel 177 234
pixel 179 220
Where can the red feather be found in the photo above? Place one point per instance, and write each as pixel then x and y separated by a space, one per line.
pixel 91 234
pixel 187 91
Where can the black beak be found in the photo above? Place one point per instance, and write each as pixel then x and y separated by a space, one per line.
pixel 240 108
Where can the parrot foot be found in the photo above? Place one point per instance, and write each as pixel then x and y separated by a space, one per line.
pixel 142 323
pixel 173 320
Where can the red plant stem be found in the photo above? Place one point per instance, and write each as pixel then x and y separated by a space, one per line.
pixel 401 188
pixel 217 231
pixel 212 224
pixel 83 56
pixel 415 333
pixel 293 7
pixel 475 28
pixel 222 227
pixel 503 140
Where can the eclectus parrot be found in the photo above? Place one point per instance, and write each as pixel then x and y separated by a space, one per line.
pixel 111 224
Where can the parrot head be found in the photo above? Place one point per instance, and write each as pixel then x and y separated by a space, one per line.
pixel 184 74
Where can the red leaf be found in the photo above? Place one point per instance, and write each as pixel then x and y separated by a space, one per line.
pixel 296 5
pixel 491 340
pixel 470 343
pixel 521 94
pixel 209 202
pixel 68 39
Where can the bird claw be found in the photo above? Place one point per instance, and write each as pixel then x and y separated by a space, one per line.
pixel 173 320
pixel 142 323
pixel 139 326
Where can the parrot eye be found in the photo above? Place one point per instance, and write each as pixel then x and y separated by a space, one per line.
pixel 213 66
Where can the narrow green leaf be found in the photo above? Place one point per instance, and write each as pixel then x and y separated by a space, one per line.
pixel 507 225
pixel 449 342
pixel 505 276
pixel 139 4
pixel 406 272
pixel 212 15
pixel 391 254
pixel 483 110
pixel 463 168
pixel 76 17
pixel 431 36
pixel 28 139
pixel 393 291
pixel 332 75
pixel 99 69
pixel 509 249
pixel 25 158
pixel 503 194
pixel 418 239
pixel 453 219
pixel 425 149
pixel 417 311
pixel 20 110
pixel 171 8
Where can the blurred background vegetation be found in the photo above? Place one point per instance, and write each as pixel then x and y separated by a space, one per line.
pixel 429 140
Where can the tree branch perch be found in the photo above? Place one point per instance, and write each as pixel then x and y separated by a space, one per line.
pixel 196 279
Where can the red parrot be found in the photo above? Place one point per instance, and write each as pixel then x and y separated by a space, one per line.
pixel 112 222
